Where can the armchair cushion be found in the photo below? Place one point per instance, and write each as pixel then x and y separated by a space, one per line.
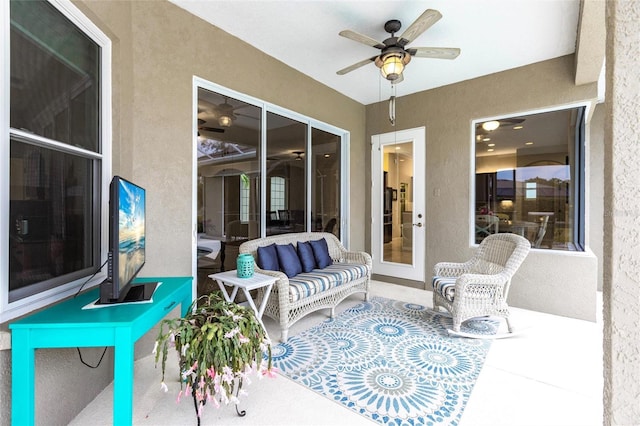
pixel 321 253
pixel 305 253
pixel 288 259
pixel 268 258
pixel 445 286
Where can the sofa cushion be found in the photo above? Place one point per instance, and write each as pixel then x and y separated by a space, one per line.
pixel 308 284
pixel 268 258
pixel 288 259
pixel 321 253
pixel 305 253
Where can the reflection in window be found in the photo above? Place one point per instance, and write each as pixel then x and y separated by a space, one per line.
pixel 300 173
pixel 325 184
pixel 228 146
pixel 54 197
pixel 286 160
pixel 528 179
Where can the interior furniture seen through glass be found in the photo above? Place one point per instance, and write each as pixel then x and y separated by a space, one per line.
pixel 302 179
pixel 529 178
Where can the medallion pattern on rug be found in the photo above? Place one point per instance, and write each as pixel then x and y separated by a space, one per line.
pixel 390 361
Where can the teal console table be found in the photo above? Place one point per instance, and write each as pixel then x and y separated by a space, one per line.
pixel 66 325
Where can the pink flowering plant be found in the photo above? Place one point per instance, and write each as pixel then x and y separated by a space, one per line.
pixel 219 345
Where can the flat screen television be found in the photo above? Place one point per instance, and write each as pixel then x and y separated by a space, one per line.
pixel 126 244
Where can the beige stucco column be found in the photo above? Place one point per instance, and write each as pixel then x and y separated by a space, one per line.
pixel 622 216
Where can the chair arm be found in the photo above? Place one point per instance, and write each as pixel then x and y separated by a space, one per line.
pixel 466 281
pixel 283 281
pixel 450 269
pixel 360 257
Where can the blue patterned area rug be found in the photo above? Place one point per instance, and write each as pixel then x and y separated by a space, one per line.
pixel 390 361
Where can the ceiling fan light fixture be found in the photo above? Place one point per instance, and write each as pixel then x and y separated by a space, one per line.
pixel 490 126
pixel 225 121
pixel 392 65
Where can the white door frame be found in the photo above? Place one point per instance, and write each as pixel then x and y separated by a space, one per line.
pixel 416 270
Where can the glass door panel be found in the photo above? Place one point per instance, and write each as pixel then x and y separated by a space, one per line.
pixel 228 148
pixel 325 182
pixel 286 175
pixel 397 209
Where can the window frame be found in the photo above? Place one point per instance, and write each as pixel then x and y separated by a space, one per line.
pixel 579 175
pixel 102 171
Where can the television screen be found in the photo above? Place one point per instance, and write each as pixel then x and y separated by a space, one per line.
pixel 131 231
pixel 126 240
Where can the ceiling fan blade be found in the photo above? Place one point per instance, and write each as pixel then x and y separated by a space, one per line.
pixel 246 115
pixel 356 66
pixel 420 25
pixel 211 129
pixel 361 38
pixel 508 121
pixel 434 52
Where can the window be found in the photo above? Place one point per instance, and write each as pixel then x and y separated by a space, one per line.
pixel 277 193
pixel 530 190
pixel 244 198
pixel 530 178
pixel 57 153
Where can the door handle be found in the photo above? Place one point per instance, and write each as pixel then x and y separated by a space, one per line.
pixel 419 224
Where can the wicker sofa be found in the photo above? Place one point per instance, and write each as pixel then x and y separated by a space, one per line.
pixel 293 298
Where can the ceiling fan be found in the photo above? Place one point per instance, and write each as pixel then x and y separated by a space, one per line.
pixel 201 126
pixel 225 114
pixel 486 127
pixel 394 55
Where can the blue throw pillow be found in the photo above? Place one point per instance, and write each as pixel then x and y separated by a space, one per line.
pixel 288 259
pixel 268 258
pixel 321 253
pixel 305 253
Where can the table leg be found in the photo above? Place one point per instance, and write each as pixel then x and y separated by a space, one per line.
pixel 223 289
pixel 257 311
pixel 265 298
pixel 222 255
pixel 22 379
pixel 123 378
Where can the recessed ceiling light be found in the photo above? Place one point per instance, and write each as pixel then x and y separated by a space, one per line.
pixel 490 150
pixel 327 155
pixel 517 127
pixel 528 143
pixel 491 144
pixel 397 148
pixel 486 139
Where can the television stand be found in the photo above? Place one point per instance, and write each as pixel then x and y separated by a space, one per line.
pixel 141 292
pixel 67 325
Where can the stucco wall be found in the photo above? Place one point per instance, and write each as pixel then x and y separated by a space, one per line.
pixel 548 281
pixel 622 212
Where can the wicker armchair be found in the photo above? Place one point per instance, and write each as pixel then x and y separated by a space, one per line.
pixel 479 287
pixel 281 306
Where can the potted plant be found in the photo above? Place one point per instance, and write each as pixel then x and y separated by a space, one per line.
pixel 219 345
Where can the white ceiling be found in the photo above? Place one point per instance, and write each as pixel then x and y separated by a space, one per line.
pixel 494 35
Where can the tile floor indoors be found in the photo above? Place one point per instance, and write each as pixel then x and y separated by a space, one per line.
pixel 549 374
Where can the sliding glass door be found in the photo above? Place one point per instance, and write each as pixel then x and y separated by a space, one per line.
pixel 263 170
